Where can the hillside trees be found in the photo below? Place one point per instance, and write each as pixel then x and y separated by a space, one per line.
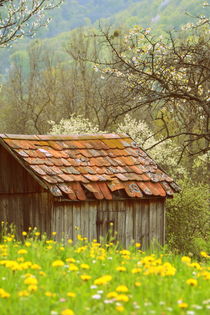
pixel 20 18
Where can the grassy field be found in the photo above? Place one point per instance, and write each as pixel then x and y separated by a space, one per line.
pixel 40 276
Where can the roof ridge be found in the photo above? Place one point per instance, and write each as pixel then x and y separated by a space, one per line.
pixel 65 137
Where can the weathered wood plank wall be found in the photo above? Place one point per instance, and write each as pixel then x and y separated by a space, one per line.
pixel 13 177
pixel 133 220
pixel 30 210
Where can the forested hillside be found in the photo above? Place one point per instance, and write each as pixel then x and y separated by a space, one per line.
pixel 162 15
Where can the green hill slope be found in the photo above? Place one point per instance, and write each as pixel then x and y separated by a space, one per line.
pixel 162 15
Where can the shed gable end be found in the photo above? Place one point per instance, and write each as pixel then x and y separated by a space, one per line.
pixel 13 177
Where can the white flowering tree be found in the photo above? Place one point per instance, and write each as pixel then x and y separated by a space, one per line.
pixel 73 125
pixel 20 18
pixel 168 77
pixel 165 153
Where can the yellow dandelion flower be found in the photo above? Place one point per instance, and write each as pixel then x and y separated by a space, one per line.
pixel 27 244
pixel 183 305
pixel 35 267
pixel 58 263
pixel 70 260
pixel 71 294
pixel 120 308
pixel 37 233
pixel 70 241
pixel 204 254
pixel 67 312
pixel 137 284
pixel 85 266
pixel 136 270
pixel 4 294
pixel 122 298
pixel 23 293
pixel 31 281
pixel 103 280
pixel 32 288
pixel 54 233
pixel 186 259
pixel 50 294
pixel 195 265
pixel 24 233
pixel 42 273
pixel 122 288
pixel 73 267
pixel 192 282
pixel 22 252
pixel 138 245
pixel 85 277
pixel 121 268
pixel 112 295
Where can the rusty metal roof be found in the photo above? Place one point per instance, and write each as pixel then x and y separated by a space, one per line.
pixel 99 164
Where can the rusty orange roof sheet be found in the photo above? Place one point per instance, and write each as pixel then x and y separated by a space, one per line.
pixel 76 166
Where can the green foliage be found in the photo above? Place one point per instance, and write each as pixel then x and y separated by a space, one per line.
pixel 188 219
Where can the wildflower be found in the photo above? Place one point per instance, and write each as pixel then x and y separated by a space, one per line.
pixel 27 244
pixel 125 252
pixel 122 298
pixel 136 270
pixel 50 294
pixel 32 288
pixel 186 259
pixel 70 241
pixel 85 266
pixel 122 288
pixel 58 263
pixel 23 293
pixel 4 294
pixel 192 282
pixel 79 237
pixel 204 254
pixel 37 233
pixel 96 297
pixel 42 273
pixel 119 308
pixel 137 284
pixel 24 233
pixel 73 267
pixel 103 280
pixel 35 267
pixel 22 252
pixel 67 312
pixel 195 265
pixel 182 304
pixel 71 294
pixel 112 295
pixel 70 260
pixel 85 277
pixel 138 245
pixel 31 281
pixel 121 268
pixel 54 233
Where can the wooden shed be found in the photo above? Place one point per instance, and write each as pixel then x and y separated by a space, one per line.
pixel 57 183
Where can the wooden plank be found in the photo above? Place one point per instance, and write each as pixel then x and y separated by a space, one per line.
pixel 159 224
pixel 92 233
pixel 137 221
pixel 129 224
pixel 76 221
pixel 145 224
pixel 84 219
pixel 121 222
pixel 152 222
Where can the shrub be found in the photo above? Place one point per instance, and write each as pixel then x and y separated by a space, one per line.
pixel 188 219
